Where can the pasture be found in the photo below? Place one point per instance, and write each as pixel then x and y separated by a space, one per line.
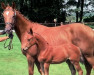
pixel 13 62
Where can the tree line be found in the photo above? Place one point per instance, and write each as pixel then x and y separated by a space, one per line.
pixel 48 10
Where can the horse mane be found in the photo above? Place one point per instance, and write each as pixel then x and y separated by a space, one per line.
pixel 23 15
pixel 27 19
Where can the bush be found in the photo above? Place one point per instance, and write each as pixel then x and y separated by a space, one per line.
pixel 89 19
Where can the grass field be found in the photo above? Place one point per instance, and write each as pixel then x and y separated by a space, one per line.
pixel 13 62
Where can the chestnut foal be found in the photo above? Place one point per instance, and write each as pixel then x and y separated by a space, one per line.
pixel 48 54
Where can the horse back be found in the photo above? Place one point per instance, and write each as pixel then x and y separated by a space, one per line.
pixel 75 33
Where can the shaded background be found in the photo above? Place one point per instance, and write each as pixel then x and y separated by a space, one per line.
pixel 47 10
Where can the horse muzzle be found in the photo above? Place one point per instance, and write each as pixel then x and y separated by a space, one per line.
pixel 8 28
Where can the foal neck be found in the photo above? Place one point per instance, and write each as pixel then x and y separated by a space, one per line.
pixel 42 43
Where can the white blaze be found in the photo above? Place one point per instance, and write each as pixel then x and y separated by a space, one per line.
pixel 7 13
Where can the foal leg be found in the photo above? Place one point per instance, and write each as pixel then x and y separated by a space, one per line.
pixel 42 69
pixel 30 64
pixel 38 66
pixel 78 68
pixel 46 68
pixel 71 67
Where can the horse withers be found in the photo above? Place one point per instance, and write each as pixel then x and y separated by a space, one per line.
pixel 48 54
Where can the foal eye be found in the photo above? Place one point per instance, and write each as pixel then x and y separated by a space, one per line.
pixel 29 39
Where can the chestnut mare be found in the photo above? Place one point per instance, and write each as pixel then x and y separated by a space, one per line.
pixel 48 54
pixel 76 33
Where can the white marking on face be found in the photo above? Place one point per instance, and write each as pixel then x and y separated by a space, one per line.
pixel 7 13
pixel 25 37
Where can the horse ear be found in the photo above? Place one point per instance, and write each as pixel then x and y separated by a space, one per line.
pixel 31 31
pixel 13 5
pixel 3 5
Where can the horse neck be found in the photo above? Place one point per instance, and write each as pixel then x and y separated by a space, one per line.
pixel 21 25
pixel 42 43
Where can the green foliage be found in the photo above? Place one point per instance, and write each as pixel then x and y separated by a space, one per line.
pixel 39 10
pixel 47 10
pixel 89 19
pixel 72 2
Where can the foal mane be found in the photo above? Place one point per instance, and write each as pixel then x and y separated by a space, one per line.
pixel 40 38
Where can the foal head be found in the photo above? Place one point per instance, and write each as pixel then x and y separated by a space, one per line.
pixel 9 15
pixel 33 38
pixel 28 41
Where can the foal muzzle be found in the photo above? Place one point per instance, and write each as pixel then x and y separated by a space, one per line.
pixel 24 49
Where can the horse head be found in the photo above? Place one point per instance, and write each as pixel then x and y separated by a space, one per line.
pixel 28 41
pixel 9 15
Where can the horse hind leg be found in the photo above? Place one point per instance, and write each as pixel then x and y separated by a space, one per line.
pixel 77 66
pixel 88 67
pixel 71 67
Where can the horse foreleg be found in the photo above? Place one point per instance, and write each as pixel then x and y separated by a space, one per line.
pixel 30 64
pixel 46 68
pixel 71 67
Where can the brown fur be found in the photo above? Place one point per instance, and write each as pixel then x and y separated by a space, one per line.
pixel 48 54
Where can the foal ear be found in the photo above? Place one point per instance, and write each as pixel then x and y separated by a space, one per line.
pixel 3 5
pixel 13 5
pixel 31 31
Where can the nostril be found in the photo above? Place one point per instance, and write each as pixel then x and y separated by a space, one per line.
pixel 24 49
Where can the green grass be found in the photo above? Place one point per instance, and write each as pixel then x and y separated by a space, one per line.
pixel 13 62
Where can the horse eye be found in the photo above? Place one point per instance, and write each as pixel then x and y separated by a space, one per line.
pixel 13 16
pixel 2 14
